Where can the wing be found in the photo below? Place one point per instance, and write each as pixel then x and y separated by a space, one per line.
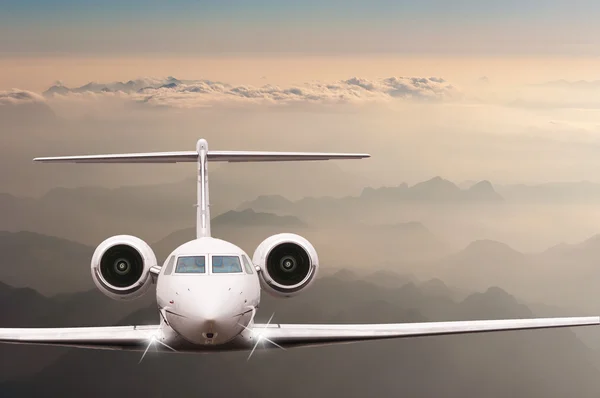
pixel 107 338
pixel 299 335
pixel 192 156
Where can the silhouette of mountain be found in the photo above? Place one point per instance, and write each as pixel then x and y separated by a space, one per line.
pixel 482 264
pixel 413 240
pixel 68 212
pixel 435 189
pixel 345 275
pixel 240 227
pixel 484 191
pixel 388 278
pixel 44 263
pixel 564 275
pixel 268 203
pixel 24 307
pixel 249 217
pixel 436 287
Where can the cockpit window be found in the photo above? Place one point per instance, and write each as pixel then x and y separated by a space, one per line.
pixel 247 265
pixel 226 264
pixel 191 265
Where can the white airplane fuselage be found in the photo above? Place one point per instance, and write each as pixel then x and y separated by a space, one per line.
pixel 209 307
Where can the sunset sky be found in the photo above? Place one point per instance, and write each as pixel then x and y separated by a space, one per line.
pixel 506 91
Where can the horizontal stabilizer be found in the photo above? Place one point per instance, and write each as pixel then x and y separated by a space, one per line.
pixel 192 156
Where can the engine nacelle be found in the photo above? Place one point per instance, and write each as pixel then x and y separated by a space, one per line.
pixel 121 267
pixel 288 264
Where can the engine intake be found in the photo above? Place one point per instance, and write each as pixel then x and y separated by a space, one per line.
pixel 121 267
pixel 288 264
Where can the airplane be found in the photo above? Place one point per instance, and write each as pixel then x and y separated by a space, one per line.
pixel 208 290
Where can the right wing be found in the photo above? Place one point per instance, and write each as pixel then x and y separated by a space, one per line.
pixel 107 338
pixel 300 335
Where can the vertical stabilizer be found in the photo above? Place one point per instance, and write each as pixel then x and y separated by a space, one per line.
pixel 203 207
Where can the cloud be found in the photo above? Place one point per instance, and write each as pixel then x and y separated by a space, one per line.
pixel 172 92
pixel 566 84
pixel 19 97
pixel 24 108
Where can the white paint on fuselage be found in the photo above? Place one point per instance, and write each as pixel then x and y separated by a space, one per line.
pixel 196 305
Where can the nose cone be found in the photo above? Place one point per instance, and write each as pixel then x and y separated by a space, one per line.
pixel 207 315
pixel 206 328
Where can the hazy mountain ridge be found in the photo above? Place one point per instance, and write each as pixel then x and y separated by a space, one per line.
pixel 477 211
pixel 564 275
pixel 48 264
pixel 25 307
pixel 435 189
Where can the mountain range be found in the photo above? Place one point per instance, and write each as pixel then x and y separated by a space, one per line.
pixel 565 275
pixel 523 364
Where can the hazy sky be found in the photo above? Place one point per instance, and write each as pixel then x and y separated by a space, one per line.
pixel 324 26
pixel 506 91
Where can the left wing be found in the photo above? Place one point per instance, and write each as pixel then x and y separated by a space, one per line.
pixel 107 338
pixel 299 335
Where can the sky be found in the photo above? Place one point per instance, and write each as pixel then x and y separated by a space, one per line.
pixel 468 90
pixel 324 27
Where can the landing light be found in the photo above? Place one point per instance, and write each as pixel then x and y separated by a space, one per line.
pixel 154 339
pixel 260 338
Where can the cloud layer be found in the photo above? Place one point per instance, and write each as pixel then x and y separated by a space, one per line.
pixel 172 92
pixel 19 97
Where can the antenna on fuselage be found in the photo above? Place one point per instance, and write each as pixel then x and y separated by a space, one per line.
pixel 202 156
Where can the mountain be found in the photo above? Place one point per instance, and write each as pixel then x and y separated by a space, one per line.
pixel 338 246
pixel 251 218
pixel 245 228
pixel 565 275
pixel 24 307
pixel 523 364
pixel 47 264
pixel 483 264
pixel 130 86
pixel 388 278
pixel 436 189
pixel 483 191
pixel 69 212
pixel 268 203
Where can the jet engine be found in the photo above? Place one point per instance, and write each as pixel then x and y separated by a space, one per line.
pixel 288 264
pixel 121 267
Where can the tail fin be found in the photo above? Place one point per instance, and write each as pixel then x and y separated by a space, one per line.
pixel 202 156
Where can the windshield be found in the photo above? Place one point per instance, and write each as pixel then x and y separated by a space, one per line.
pixel 226 264
pixel 191 265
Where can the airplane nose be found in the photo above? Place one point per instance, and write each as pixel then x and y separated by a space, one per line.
pixel 206 325
pixel 207 310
